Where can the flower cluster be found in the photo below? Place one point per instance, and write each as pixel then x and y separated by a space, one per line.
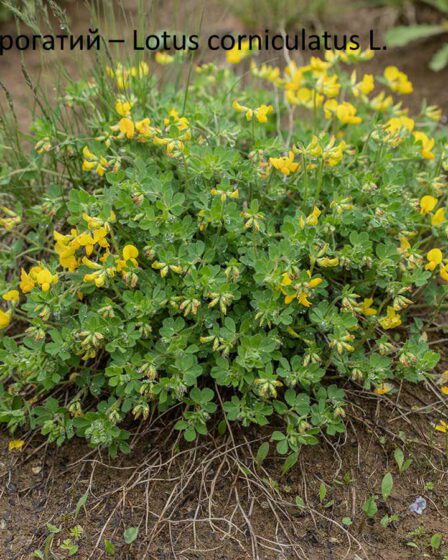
pixel 258 239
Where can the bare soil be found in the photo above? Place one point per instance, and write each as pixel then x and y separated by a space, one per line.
pixel 211 500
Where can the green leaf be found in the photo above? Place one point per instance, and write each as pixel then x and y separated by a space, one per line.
pixel 387 485
pixel 290 462
pixel 300 502
pixel 440 59
pixel 436 541
pixel 262 453
pixel 81 503
pixel 370 508
pixel 399 458
pixel 190 434
pixel 402 35
pixel 277 436
pixel 282 447
pixel 347 521
pixel 130 535
pixel 53 529
pixel 322 492
pixel 109 547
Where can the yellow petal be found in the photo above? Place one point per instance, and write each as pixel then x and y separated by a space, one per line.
pixel 383 389
pixel 130 252
pixel 314 282
pixel 127 127
pixel 427 204
pixel 12 295
pixel 442 426
pixel 16 444
pixel 434 256
pixel 5 319
pixel 439 217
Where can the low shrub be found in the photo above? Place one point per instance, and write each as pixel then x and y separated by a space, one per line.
pixel 250 249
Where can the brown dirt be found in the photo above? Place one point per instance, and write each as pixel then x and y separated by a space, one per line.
pixel 217 510
pixel 222 507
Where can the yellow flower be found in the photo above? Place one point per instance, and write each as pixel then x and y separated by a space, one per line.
pixel 93 163
pixel 364 87
pixel 127 127
pixel 163 58
pixel 12 295
pixel 68 261
pixel 354 53
pixel 261 113
pixel 26 282
pixel 442 426
pixel 266 72
pixel 242 109
pixel 444 272
pixel 383 389
pixel 444 390
pixel 285 164
pixel 380 102
pixel 144 130
pixel 433 112
pixel 235 55
pixel 313 150
pixel 268 387
pixel 330 108
pixel 305 97
pixel 224 194
pixel 139 71
pixel 404 246
pixel 313 218
pixel 45 278
pixel 65 251
pixel 16 445
pixel 397 124
pixel 391 320
pixel 123 108
pixel 439 217
pixel 122 74
pixel 101 273
pixel 88 154
pixel 346 113
pixel 434 257
pixel 328 85
pixel 427 204
pixel 95 223
pixel 11 219
pixel 37 275
pixel 366 307
pixel 130 252
pixel 5 318
pixel 328 262
pixel 333 154
pixel 302 289
pixel 427 144
pixel 88 165
pixel 397 80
